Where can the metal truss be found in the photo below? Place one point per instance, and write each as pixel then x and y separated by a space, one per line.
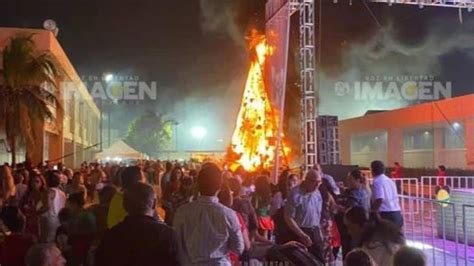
pixel 308 45
pixel 469 4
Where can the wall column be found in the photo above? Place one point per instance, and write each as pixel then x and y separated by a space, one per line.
pixel 437 146
pixel 469 139
pixel 394 146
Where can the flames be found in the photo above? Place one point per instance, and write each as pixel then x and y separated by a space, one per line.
pixel 254 140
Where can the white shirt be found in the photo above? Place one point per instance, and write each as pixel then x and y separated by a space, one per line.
pixel 58 201
pixel 384 188
pixel 207 231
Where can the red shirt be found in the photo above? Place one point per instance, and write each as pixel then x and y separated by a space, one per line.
pixel 441 175
pixel 14 248
pixel 397 172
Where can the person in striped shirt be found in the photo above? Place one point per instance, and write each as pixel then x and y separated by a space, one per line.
pixel 207 230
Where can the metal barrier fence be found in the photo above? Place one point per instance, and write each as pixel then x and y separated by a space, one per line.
pixel 430 183
pixel 443 230
pixel 407 186
pixel 468 238
pixel 425 231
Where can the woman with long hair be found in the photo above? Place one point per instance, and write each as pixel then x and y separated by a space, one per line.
pixel 379 238
pixel 179 198
pixel 356 194
pixel 327 224
pixel 173 185
pixel 261 200
pixel 7 185
pixel 76 185
pixel 35 203
pixel 285 183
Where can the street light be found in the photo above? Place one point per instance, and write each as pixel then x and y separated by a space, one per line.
pixel 198 132
pixel 108 77
pixel 175 124
pixel 456 125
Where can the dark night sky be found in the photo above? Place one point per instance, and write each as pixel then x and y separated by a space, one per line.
pixel 195 50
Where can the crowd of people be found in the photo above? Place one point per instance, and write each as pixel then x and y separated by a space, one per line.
pixel 167 213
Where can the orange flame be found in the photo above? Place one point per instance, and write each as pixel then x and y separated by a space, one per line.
pixel 254 140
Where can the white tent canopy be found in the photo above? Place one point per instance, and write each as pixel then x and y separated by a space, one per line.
pixel 120 149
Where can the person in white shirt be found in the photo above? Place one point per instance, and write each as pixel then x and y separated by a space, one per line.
pixel 49 221
pixel 385 195
pixel 20 187
pixel 207 230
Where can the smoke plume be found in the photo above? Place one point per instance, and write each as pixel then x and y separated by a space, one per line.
pixel 390 53
pixel 220 16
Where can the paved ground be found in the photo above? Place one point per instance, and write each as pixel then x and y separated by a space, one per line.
pixel 421 232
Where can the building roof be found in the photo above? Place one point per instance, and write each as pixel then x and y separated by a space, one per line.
pixel 370 112
pixel 442 111
pixel 120 149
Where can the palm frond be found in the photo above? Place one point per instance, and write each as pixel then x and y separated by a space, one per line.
pixel 37 103
pixel 24 96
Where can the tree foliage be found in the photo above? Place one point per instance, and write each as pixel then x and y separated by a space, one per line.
pixel 27 92
pixel 150 133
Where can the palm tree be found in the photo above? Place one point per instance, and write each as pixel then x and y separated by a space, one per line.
pixel 24 94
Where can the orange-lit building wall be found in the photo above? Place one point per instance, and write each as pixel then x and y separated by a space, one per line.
pixel 76 129
pixel 424 135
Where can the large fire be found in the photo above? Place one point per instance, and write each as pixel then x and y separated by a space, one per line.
pixel 254 140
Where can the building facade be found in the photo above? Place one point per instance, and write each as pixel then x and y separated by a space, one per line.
pixel 419 136
pixel 74 135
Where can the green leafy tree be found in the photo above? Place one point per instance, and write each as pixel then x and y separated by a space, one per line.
pixel 150 133
pixel 26 92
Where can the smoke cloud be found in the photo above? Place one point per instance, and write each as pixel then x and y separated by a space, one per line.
pixel 388 53
pixel 221 16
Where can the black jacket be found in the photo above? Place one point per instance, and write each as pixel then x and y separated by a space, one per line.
pixel 138 241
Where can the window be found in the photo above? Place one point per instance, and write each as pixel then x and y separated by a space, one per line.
pixel 369 142
pixel 323 147
pixel 46 146
pixel 454 136
pixel 419 139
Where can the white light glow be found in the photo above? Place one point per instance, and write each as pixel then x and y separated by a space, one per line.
pixel 109 77
pixel 198 132
pixel 456 125
pixel 418 245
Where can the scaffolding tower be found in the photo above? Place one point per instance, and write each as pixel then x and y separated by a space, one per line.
pixel 308 74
